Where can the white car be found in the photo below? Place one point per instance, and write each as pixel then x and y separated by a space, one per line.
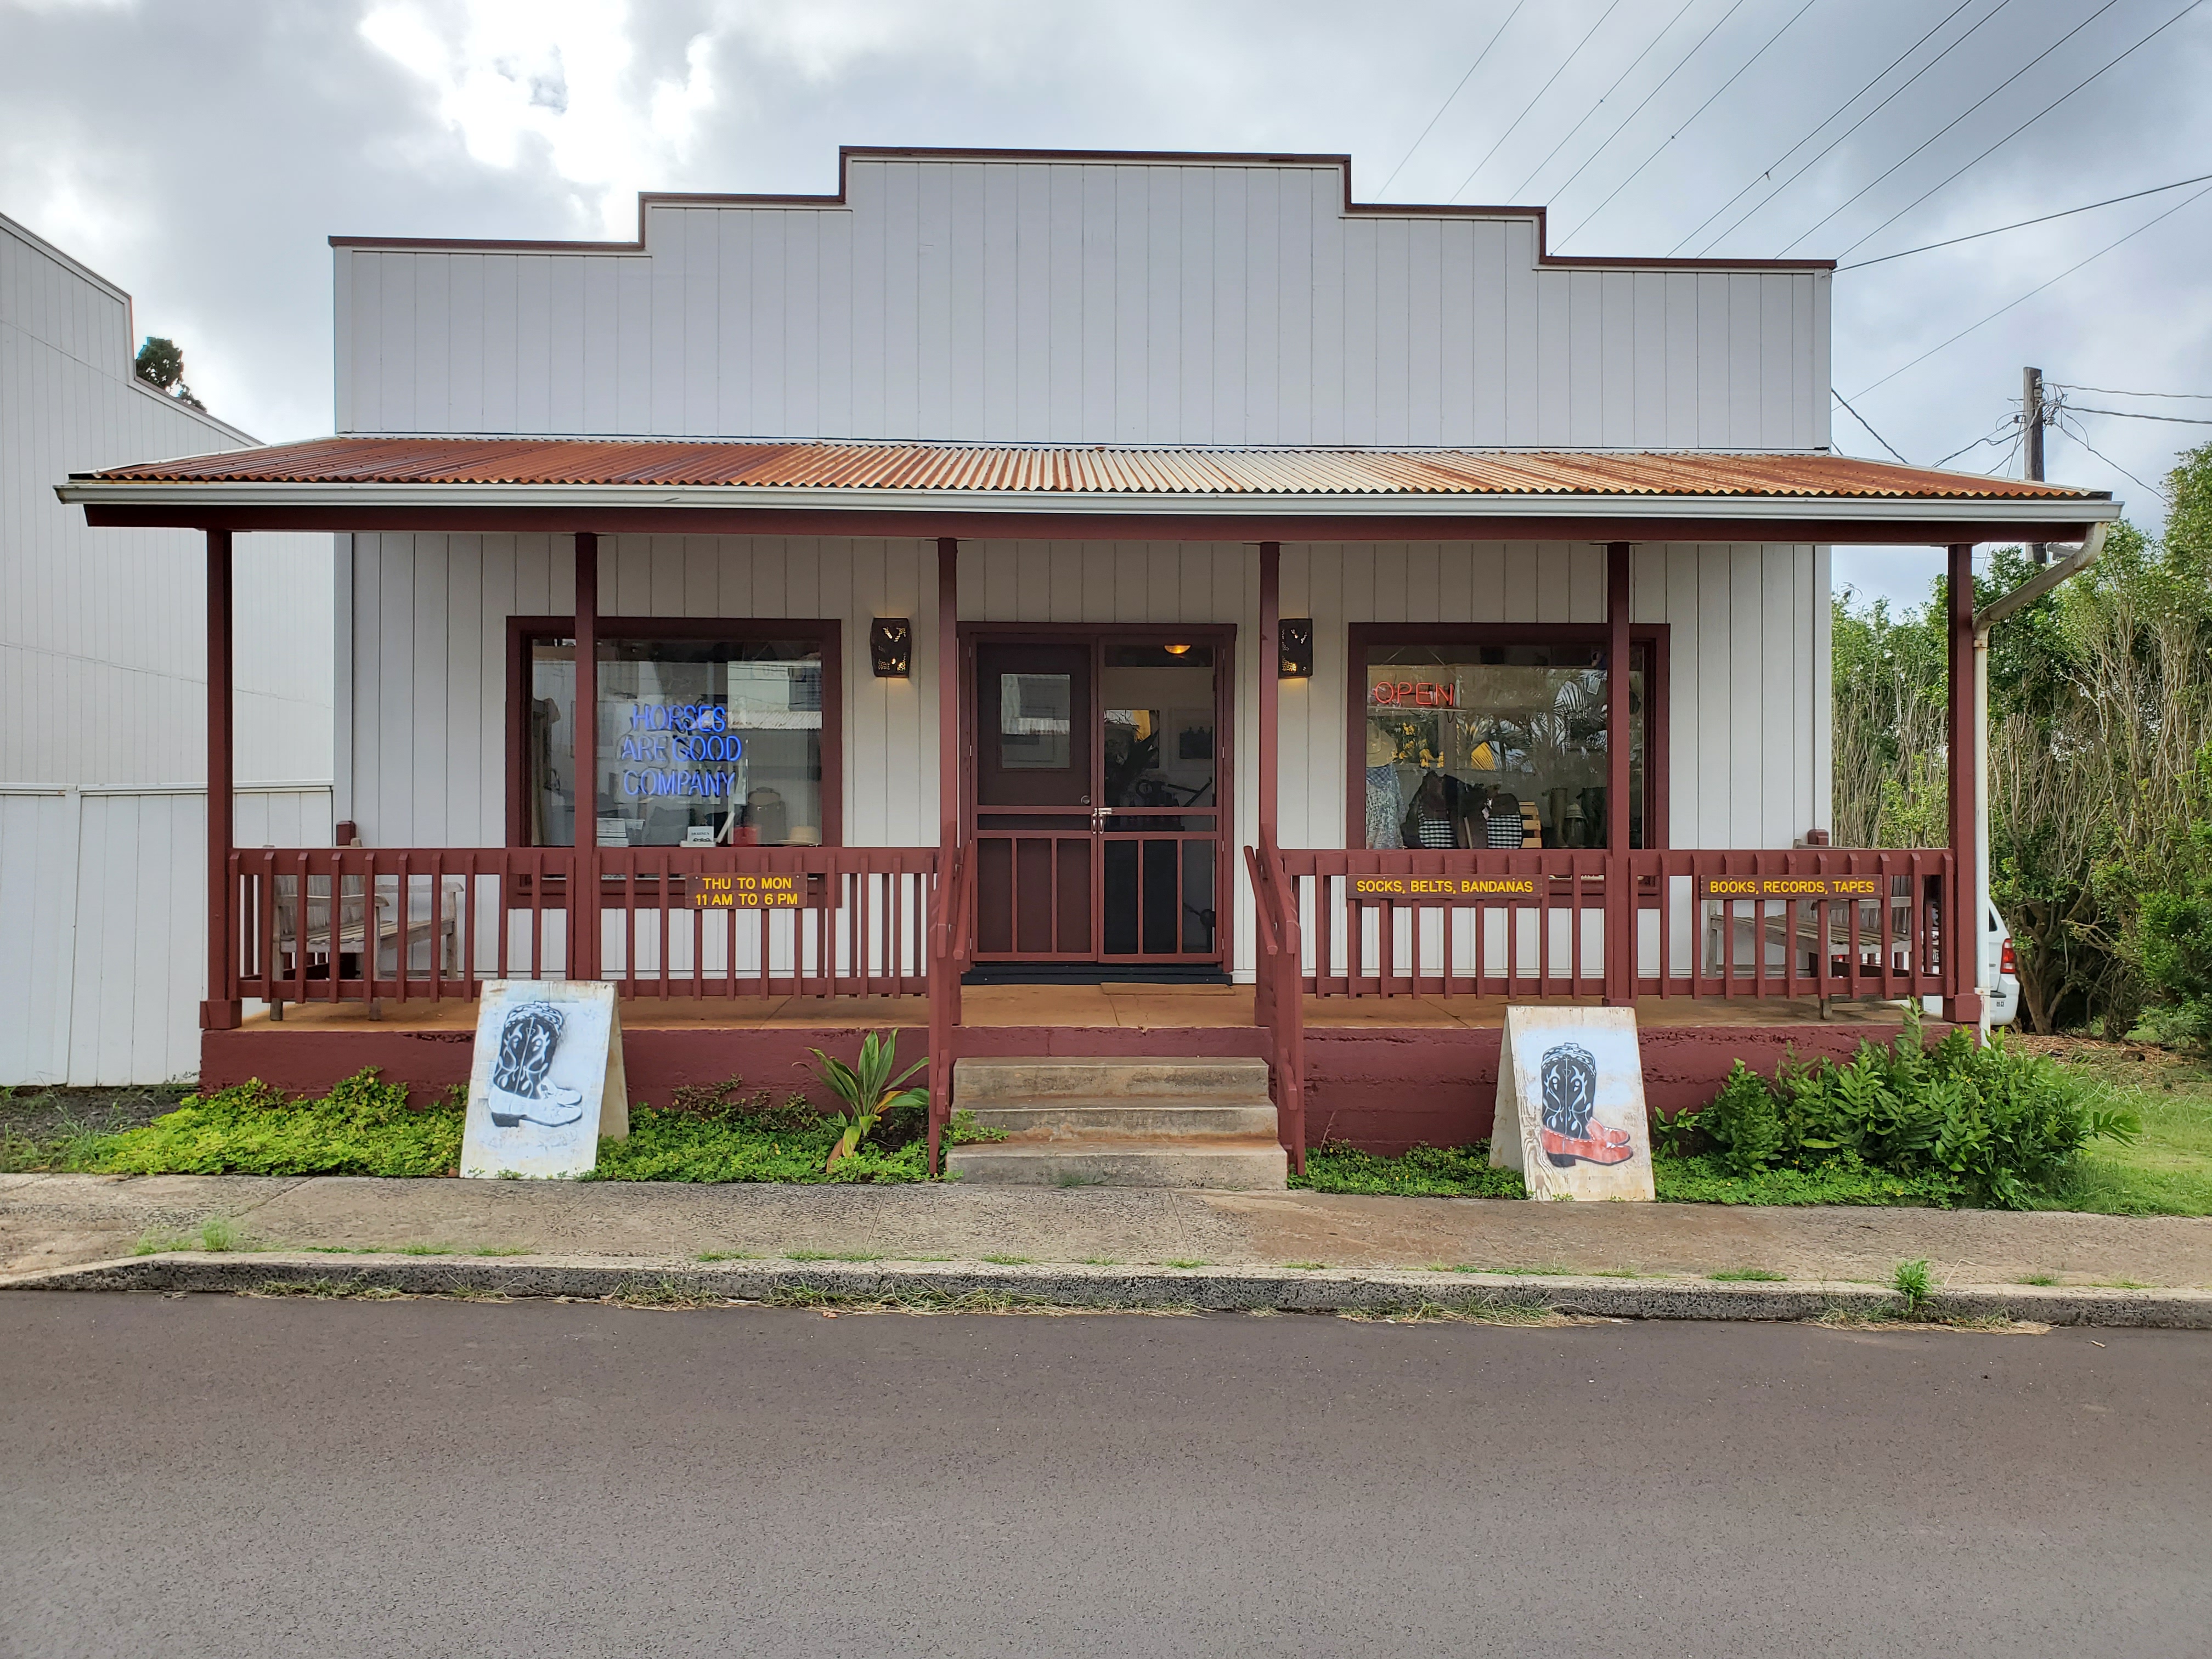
pixel 1999 971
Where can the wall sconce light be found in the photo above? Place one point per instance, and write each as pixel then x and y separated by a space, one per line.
pixel 891 647
pixel 1294 659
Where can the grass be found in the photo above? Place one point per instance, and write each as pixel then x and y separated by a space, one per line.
pixel 2039 1279
pixel 1424 1172
pixel 831 1255
pixel 1737 1275
pixel 2167 1170
pixel 1185 1262
pixel 1912 1281
pixel 365 1127
pixel 1008 1260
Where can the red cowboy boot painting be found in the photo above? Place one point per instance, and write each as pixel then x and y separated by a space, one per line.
pixel 1569 1079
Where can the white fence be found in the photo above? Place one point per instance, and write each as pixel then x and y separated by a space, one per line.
pixel 103 924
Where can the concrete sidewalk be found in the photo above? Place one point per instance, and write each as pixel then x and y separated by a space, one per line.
pixel 55 1221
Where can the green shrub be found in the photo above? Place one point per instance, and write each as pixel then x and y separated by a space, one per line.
pixel 1991 1125
pixel 364 1126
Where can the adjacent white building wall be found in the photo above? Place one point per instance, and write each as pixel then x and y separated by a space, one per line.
pixel 103 677
pixel 429 727
pixel 1045 300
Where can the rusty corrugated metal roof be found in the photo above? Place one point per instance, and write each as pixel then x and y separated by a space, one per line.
pixel 998 469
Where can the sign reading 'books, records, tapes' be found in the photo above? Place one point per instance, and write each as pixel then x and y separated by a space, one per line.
pixel 548 1080
pixel 1570 1104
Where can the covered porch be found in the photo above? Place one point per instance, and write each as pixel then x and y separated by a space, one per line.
pixel 1379 975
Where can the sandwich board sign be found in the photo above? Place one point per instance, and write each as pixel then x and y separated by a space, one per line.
pixel 1570 1104
pixel 547 1079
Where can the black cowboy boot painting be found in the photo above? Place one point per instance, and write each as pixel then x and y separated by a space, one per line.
pixel 520 1088
pixel 1569 1074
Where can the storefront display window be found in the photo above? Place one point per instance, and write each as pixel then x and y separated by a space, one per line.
pixel 702 741
pixel 1504 745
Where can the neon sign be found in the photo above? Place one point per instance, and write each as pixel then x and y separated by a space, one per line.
pixel 1413 694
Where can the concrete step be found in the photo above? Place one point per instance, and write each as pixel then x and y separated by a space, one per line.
pixel 980 1083
pixel 1240 1166
pixel 1130 1120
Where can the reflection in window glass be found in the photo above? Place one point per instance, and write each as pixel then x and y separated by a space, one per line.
pixel 1496 746
pixel 1035 712
pixel 701 742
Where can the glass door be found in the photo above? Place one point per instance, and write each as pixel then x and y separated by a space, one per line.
pixel 1097 772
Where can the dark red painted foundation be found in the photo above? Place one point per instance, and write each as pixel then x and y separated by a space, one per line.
pixel 1382 1090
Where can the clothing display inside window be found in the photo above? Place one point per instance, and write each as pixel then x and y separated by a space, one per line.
pixel 1475 745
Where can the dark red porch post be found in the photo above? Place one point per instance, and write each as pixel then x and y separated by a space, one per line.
pixel 1962 928
pixel 584 886
pixel 220 1012
pixel 1271 688
pixel 944 960
pixel 1620 889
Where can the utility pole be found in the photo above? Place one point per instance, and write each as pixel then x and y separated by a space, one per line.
pixel 2031 420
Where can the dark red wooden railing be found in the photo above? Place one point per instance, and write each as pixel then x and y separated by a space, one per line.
pixel 360 924
pixel 1818 922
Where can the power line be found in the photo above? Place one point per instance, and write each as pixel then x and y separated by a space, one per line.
pixel 1838 139
pixel 2037 289
pixel 1769 170
pixel 1480 57
pixel 1700 110
pixel 1863 421
pixel 1537 99
pixel 1680 64
pixel 2130 415
pixel 1608 93
pixel 2023 224
pixel 2074 432
pixel 1954 120
pixel 2022 127
pixel 2115 392
pixel 1996 435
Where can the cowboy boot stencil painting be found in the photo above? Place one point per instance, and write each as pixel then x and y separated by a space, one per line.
pixel 522 1090
pixel 546 1080
pixel 1569 1072
pixel 1570 1111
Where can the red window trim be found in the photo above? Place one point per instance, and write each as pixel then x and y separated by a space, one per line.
pixel 824 632
pixel 1362 636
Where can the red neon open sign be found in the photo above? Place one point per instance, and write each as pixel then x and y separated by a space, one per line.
pixel 1413 694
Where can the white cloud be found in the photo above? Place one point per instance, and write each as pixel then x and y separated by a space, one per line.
pixel 556 77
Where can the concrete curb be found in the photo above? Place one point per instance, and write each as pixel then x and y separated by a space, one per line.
pixel 1074 1286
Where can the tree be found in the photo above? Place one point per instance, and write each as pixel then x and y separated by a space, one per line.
pixel 160 364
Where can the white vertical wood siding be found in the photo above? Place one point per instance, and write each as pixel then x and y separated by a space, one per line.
pixel 102 679
pixel 430 734
pixel 1082 302
pixel 104 894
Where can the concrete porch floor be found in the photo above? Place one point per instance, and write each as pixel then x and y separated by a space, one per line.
pixel 1134 1007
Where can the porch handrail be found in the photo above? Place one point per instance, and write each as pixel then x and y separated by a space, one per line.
pixel 951 947
pixel 1279 991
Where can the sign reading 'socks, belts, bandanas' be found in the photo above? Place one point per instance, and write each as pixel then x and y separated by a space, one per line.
pixel 548 1080
pixel 1570 1104
pixel 1444 887
pixel 1792 887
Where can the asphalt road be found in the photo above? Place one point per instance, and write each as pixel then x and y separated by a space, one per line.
pixel 234 1477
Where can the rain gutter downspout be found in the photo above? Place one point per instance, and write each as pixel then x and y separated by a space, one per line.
pixel 1985 619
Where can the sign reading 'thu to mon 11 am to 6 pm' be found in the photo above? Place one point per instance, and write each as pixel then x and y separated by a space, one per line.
pixel 735 892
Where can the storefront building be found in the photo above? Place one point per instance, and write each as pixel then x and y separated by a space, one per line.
pixel 1081 605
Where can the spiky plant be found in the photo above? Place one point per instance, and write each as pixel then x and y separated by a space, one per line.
pixel 868 1091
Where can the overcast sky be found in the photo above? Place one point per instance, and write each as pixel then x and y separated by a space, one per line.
pixel 199 152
